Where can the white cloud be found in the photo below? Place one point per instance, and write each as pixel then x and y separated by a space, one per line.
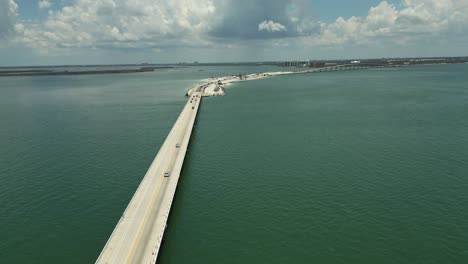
pixel 416 19
pixel 122 24
pixel 44 4
pixel 271 26
pixel 8 13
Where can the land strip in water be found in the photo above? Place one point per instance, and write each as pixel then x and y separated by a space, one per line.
pixel 32 72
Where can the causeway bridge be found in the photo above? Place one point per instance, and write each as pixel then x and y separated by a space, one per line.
pixel 139 232
pixel 343 67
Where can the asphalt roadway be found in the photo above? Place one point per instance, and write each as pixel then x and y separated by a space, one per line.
pixel 139 232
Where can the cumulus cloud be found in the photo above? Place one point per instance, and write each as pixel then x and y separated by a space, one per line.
pixel 44 4
pixel 8 13
pixel 121 24
pixel 271 26
pixel 240 19
pixel 416 19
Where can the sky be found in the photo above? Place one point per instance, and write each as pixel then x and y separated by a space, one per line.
pixel 47 32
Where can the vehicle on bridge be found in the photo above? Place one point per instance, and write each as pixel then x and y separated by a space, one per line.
pixel 167 173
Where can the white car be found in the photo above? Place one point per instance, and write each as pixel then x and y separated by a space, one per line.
pixel 167 173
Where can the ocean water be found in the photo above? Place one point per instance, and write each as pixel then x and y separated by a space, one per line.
pixel 341 167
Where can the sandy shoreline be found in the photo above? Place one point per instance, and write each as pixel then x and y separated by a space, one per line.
pixel 216 86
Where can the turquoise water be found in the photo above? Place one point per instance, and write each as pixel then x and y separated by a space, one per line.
pixel 344 167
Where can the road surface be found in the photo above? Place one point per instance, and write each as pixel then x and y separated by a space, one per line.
pixel 138 234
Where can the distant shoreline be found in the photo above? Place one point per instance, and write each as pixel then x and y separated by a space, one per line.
pixel 412 60
pixel 13 73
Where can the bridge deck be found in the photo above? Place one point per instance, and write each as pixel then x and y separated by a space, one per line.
pixel 138 234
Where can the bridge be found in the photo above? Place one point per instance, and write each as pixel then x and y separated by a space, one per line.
pixel 139 232
pixel 342 67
